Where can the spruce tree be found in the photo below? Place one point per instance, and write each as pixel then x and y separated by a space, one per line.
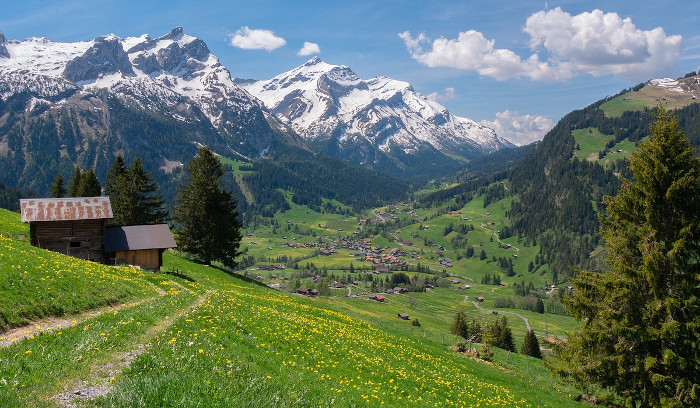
pixel 89 185
pixel 148 204
pixel 459 325
pixel 117 187
pixel 205 212
pixel 531 346
pixel 58 188
pixel 134 194
pixel 505 336
pixel 74 186
pixel 641 319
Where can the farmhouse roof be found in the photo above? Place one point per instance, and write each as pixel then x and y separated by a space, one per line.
pixel 65 209
pixel 137 237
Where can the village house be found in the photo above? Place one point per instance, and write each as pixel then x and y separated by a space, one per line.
pixel 403 316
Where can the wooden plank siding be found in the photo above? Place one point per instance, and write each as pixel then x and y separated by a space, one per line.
pixel 145 258
pixel 81 239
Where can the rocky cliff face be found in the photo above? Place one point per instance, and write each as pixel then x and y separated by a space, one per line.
pixel 174 92
pixel 3 49
pixel 105 57
pixel 157 98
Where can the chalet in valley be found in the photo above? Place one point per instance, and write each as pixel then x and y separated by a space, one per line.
pixel 77 226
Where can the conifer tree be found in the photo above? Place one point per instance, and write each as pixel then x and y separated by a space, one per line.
pixel 531 346
pixel 58 188
pixel 505 336
pixel 459 325
pixel 89 185
pixel 117 188
pixel 74 186
pixel 642 317
pixel 148 204
pixel 134 194
pixel 205 212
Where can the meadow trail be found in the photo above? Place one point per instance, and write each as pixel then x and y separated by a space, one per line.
pixel 56 324
pixel 97 381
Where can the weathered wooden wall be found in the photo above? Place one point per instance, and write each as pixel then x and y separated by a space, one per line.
pixel 81 239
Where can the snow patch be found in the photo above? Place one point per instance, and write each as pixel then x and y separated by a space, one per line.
pixel 668 83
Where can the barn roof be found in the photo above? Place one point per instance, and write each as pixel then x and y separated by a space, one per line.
pixel 65 209
pixel 138 237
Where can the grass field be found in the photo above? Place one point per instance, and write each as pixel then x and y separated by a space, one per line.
pixel 590 141
pixel 650 97
pixel 204 338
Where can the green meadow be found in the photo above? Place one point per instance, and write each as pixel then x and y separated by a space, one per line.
pixel 199 336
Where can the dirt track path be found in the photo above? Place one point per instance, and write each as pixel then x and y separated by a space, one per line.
pixel 98 382
pixel 51 324
pixel 527 322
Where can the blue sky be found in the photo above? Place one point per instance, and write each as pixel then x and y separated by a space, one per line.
pixel 519 66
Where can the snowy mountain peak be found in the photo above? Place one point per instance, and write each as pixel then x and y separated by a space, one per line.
pixel 175 74
pixel 106 56
pixel 331 104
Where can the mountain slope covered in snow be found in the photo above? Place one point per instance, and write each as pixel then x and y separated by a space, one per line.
pixel 332 107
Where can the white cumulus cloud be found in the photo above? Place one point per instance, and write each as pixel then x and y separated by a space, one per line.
pixel 437 97
pixel 309 48
pixel 256 39
pixel 594 43
pixel 520 129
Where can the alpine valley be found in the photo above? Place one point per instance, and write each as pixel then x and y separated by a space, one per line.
pixel 68 104
pixel 391 252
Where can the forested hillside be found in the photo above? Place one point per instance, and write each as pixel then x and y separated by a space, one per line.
pixel 41 143
pixel 559 195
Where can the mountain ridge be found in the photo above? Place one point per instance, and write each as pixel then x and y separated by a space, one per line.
pixel 176 75
pixel 327 103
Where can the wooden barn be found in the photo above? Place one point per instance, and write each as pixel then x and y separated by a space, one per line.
pixel 73 226
pixel 140 245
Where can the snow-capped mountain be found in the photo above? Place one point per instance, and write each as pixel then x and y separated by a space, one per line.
pixel 174 74
pixel 331 104
pixel 161 98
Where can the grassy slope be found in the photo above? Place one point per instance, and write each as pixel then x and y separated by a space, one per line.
pixel 249 346
pixel 650 97
pixel 590 141
pixel 35 283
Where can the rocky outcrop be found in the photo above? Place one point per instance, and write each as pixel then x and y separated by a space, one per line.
pixel 3 48
pixel 105 57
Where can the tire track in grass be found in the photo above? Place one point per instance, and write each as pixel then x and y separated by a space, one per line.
pixel 55 323
pixel 527 322
pixel 103 375
pixel 51 324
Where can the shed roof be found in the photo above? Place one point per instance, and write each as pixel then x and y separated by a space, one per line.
pixel 138 237
pixel 65 209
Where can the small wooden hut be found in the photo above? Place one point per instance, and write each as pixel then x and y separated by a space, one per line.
pixel 73 226
pixel 140 245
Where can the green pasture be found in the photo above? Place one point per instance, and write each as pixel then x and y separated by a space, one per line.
pixel 590 142
pixel 195 335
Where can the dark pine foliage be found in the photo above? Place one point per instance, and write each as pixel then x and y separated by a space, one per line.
pixel 205 212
